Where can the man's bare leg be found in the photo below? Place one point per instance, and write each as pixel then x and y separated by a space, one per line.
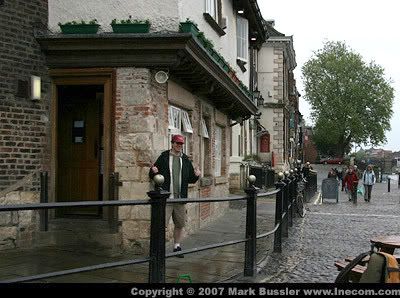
pixel 178 236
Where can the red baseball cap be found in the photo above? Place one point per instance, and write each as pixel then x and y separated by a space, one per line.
pixel 178 139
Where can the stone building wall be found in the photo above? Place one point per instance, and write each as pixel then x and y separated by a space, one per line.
pixel 17 229
pixel 24 124
pixel 277 138
pixel 142 134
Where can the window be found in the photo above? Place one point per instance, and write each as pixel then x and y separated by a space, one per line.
pixel 179 123
pixel 213 16
pixel 174 118
pixel 204 130
pixel 205 149
pixel 265 143
pixel 211 9
pixel 242 37
pixel 187 126
pixel 218 151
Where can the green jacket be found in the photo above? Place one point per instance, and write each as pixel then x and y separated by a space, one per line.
pixel 188 175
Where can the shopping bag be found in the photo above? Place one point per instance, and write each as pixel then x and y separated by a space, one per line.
pixel 360 189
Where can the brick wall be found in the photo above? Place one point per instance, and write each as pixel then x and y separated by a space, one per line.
pixel 23 123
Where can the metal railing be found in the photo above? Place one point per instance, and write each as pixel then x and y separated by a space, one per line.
pixel 311 185
pixel 265 177
pixel 284 212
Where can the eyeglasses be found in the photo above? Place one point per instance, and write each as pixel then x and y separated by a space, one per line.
pixel 178 143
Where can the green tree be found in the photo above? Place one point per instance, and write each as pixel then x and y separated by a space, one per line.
pixel 351 100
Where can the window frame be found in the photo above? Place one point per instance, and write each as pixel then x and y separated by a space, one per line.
pixel 242 39
pixel 211 7
pixel 185 129
pixel 218 144
pixel 204 130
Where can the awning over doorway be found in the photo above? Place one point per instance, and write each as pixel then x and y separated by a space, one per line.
pixel 180 53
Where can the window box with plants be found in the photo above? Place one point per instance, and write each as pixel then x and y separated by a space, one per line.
pixel 206 43
pixel 232 74
pixel 130 26
pixel 222 62
pixel 81 27
pixel 189 26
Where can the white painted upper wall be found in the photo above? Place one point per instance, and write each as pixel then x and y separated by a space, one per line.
pixel 226 44
pixel 266 73
pixel 164 15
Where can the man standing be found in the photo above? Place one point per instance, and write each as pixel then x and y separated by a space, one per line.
pixel 178 172
pixel 368 179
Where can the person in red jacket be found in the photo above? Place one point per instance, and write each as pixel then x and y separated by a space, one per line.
pixel 351 182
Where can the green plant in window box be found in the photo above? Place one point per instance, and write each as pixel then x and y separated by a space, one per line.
pixel 217 57
pixel 224 64
pixel 130 26
pixel 206 43
pixel 189 26
pixel 81 27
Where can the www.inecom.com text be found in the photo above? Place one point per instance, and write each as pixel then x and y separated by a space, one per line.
pixel 257 291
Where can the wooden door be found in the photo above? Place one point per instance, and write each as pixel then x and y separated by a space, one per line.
pixel 78 148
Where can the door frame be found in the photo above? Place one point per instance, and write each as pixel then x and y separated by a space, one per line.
pixel 92 76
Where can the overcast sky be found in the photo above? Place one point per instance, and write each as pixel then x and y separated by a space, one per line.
pixel 370 28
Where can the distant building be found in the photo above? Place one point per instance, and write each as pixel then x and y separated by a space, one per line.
pixel 310 152
pixel 378 153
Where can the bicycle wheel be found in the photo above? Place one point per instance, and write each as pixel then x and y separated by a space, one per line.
pixel 301 210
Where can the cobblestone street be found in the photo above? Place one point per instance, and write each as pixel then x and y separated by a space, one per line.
pixel 333 231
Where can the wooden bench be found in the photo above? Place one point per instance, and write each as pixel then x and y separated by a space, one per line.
pixel 358 270
pixel 363 262
pixel 355 273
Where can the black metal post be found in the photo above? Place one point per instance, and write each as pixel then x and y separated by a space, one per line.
pixel 251 232
pixel 285 231
pixel 398 180
pixel 278 217
pixel 158 200
pixel 388 180
pixel 291 200
pixel 44 198
pixel 113 195
pixel 295 192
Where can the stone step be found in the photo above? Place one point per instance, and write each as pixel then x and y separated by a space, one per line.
pixel 86 235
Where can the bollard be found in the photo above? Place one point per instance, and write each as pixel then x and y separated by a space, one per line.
pixel 285 228
pixel 158 199
pixel 44 198
pixel 291 197
pixel 113 195
pixel 398 180
pixel 295 192
pixel 278 214
pixel 251 228
pixel 388 179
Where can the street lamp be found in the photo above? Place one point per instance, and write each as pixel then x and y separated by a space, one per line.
pixel 258 97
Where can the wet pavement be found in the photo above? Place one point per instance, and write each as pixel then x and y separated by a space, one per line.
pixel 210 266
pixel 332 231
pixel 328 232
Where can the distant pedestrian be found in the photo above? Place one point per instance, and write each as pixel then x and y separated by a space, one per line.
pixel 357 170
pixel 368 180
pixel 339 174
pixel 351 183
pixel 332 173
